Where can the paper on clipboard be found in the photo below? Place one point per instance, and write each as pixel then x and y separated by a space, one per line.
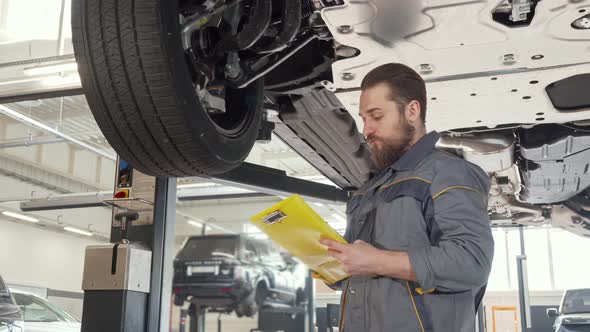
pixel 296 227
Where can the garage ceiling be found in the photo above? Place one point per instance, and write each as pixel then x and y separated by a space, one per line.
pixel 72 116
pixel 33 176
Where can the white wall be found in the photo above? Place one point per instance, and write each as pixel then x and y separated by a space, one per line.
pixel 35 257
pixel 504 319
pixel 563 255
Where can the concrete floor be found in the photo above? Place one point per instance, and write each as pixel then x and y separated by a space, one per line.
pixel 231 323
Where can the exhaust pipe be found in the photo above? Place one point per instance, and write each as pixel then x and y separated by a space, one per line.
pixel 528 214
pixel 572 216
pixel 520 213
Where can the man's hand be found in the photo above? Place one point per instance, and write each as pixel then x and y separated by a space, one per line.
pixel 359 258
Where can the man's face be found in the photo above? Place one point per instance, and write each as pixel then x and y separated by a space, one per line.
pixel 388 132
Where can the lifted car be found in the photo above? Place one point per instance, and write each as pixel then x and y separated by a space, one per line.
pixel 226 273
pixel 186 87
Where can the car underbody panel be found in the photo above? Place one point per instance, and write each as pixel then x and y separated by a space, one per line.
pixel 435 38
pixel 557 162
pixel 318 120
pixel 495 85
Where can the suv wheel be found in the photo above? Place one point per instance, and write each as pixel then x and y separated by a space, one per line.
pixel 178 300
pixel 246 309
pixel 299 297
pixel 261 295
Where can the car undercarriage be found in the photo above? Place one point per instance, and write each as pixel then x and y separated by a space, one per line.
pixel 206 79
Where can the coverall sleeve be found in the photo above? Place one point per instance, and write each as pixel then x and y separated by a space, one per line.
pixel 461 259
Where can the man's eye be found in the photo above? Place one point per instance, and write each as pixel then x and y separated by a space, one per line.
pixel 377 117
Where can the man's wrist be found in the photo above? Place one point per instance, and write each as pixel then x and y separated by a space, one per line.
pixel 386 262
pixel 394 264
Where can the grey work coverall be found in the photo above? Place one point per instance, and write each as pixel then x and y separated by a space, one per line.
pixel 432 205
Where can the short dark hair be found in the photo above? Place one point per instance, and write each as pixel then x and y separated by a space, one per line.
pixel 404 82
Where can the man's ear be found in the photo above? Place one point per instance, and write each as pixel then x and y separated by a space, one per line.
pixel 413 111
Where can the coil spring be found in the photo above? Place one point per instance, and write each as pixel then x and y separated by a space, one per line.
pixel 307 8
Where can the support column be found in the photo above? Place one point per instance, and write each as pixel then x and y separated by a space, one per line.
pixel 523 285
pixel 128 283
pixel 309 294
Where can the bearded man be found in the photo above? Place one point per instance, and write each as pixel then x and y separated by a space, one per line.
pixel 421 245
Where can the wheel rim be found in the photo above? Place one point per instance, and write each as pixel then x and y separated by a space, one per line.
pixel 239 105
pixel 236 118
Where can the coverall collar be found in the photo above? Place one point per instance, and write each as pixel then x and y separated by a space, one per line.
pixel 417 152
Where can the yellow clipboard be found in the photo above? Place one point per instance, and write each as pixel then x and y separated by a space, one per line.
pixel 296 227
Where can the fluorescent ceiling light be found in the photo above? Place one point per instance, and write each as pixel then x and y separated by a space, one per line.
pixel 52 69
pixel 20 216
pixel 19 81
pixel 195 223
pixel 60 80
pixel 77 231
pixel 197 185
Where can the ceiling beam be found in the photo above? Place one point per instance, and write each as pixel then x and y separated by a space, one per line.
pixel 39 125
pixel 30 172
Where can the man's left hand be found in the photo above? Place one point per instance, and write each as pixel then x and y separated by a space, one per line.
pixel 359 258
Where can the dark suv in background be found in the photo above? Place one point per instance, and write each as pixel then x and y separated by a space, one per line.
pixel 574 312
pixel 226 273
pixel 11 319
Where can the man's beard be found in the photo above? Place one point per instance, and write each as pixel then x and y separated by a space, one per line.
pixel 393 149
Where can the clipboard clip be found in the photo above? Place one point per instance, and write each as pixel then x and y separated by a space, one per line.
pixel 274 217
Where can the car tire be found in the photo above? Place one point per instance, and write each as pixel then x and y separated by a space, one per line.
pixel 247 310
pixel 299 297
pixel 139 88
pixel 239 312
pixel 262 294
pixel 179 300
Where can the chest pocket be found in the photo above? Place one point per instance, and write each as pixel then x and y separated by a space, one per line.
pixel 361 216
pixel 405 215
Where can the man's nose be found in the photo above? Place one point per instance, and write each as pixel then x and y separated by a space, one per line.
pixel 368 130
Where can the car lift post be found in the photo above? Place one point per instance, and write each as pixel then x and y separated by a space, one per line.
pixel 128 283
pixel 197 317
pixel 183 320
pixel 523 284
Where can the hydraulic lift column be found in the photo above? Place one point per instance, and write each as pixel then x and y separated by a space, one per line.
pixel 128 283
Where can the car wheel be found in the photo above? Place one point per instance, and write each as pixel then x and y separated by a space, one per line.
pixel 246 309
pixel 179 300
pixel 144 94
pixel 300 297
pixel 261 295
pixel 239 313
